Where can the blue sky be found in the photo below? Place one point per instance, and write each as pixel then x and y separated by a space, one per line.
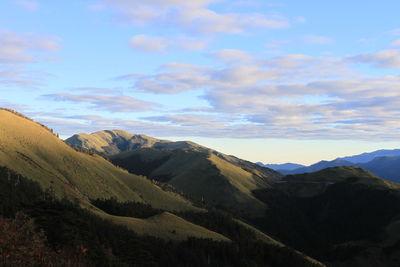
pixel 271 81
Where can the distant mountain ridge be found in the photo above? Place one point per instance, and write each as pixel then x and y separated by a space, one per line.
pixel 318 166
pixel 383 163
pixel 284 166
pixel 385 167
pixel 366 157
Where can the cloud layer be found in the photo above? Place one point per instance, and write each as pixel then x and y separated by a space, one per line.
pixel 106 102
pixel 291 96
pixel 17 51
pixel 192 16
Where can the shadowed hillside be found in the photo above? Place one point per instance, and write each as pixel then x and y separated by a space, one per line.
pixel 341 215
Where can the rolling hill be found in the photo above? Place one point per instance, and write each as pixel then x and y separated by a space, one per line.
pixel 344 216
pixel 202 173
pixel 33 151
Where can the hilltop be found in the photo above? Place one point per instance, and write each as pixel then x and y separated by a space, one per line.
pixel 33 151
pixel 203 173
pixel 56 184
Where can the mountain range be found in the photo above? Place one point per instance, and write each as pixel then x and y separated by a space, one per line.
pixel 127 197
pixel 383 163
pixel 32 152
pixel 281 206
pixel 202 173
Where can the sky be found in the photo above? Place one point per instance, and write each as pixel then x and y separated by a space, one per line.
pixel 270 81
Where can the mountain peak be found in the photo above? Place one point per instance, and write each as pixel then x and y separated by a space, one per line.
pixel 111 142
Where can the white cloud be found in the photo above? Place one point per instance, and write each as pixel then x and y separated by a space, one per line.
pixel 106 102
pixel 232 56
pixel 17 51
pixel 191 44
pixel 396 43
pixel 194 16
pixel 149 43
pixel 18 48
pixel 154 44
pixel 292 96
pixel 308 39
pixel 384 59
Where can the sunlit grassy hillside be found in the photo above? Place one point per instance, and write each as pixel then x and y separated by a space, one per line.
pixel 36 153
pixel 203 173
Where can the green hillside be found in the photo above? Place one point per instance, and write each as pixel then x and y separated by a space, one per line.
pixel 202 173
pixel 38 229
pixel 35 152
pixel 111 142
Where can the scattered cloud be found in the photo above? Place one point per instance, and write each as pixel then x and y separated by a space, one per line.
pixel 106 102
pixel 18 76
pixel 153 44
pixel 396 43
pixel 149 44
pixel 232 56
pixel 97 90
pixel 18 48
pixel 295 96
pixel 308 40
pixel 193 16
pixel 192 44
pixel 389 58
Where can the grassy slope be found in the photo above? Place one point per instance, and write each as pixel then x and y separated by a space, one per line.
pixel 168 225
pixel 202 175
pixel 111 142
pixel 34 152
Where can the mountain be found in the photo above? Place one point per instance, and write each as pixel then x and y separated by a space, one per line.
pixel 38 229
pixel 111 142
pixel 387 167
pixel 366 157
pixel 56 184
pixel 280 167
pixel 318 166
pixel 33 151
pixel 199 172
pixel 343 216
pixel 384 167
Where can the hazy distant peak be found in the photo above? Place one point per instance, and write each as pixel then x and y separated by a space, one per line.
pixel 369 156
pixel 285 166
